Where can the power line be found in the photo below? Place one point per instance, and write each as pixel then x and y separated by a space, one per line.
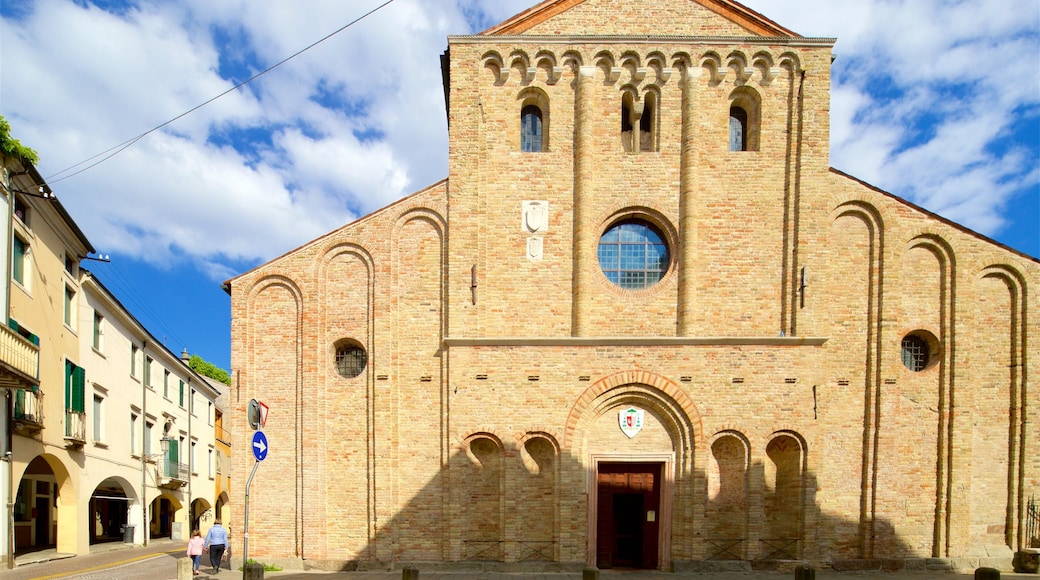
pixel 117 149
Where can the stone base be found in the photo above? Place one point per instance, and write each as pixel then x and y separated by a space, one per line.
pixel 1027 561
pixel 709 566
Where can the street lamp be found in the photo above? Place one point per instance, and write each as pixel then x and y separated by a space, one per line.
pixel 164 446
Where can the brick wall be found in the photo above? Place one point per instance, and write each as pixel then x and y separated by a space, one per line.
pixel 767 360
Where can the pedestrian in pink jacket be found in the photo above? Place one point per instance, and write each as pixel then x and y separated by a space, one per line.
pixel 195 550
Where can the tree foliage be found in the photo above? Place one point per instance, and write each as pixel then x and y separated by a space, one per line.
pixel 13 147
pixel 208 369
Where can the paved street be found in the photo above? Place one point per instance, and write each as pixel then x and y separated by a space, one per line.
pixel 159 562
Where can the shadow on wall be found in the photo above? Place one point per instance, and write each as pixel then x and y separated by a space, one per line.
pixel 523 507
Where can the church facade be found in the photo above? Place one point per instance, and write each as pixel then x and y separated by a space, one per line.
pixel 641 324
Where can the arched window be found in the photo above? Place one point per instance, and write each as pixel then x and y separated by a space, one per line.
pixel 639 123
pixel 626 122
pixel 531 129
pixel 648 124
pixel 738 129
pixel 633 254
pixel 745 119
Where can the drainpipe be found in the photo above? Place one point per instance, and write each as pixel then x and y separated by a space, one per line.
pixel 191 467
pixel 144 458
pixel 9 458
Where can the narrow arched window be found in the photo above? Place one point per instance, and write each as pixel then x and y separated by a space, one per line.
pixel 531 129
pixel 738 125
pixel 648 124
pixel 626 123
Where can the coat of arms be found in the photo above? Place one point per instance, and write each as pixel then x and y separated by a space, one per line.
pixel 631 421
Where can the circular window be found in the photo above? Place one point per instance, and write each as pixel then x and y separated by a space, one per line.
pixel 916 352
pixel 351 359
pixel 633 254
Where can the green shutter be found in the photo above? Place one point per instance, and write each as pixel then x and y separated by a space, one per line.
pixel 172 457
pixel 181 395
pixel 75 381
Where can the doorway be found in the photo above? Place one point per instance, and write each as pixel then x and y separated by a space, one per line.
pixel 628 501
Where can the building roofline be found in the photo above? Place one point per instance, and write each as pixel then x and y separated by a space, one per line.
pixel 639 39
pixel 153 343
pixel 226 285
pixel 931 214
pixel 734 11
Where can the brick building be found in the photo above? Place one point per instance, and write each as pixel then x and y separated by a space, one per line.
pixel 642 324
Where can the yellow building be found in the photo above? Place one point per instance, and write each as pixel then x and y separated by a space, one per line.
pixel 642 323
pixel 112 434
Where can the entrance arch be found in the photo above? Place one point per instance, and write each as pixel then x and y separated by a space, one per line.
pixel 46 507
pixel 648 472
pixel 200 515
pixel 162 513
pixel 110 505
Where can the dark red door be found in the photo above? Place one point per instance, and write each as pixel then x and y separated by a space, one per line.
pixel 628 506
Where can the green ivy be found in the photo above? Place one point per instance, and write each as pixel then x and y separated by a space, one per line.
pixel 208 369
pixel 267 567
pixel 13 147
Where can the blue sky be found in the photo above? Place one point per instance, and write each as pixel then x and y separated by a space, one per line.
pixel 937 101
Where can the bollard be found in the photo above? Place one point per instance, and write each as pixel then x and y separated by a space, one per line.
pixel 253 571
pixel 987 574
pixel 184 569
pixel 410 574
pixel 590 574
pixel 804 573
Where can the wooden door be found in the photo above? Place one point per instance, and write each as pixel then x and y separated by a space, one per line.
pixel 628 506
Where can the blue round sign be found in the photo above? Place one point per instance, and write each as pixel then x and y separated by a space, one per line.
pixel 259 445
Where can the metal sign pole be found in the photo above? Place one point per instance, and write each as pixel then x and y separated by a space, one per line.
pixel 245 522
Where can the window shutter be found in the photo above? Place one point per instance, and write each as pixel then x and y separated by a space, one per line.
pixel 75 381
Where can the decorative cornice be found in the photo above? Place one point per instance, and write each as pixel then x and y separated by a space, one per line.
pixel 629 341
pixel 567 39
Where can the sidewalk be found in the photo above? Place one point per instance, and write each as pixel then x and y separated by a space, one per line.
pixel 52 554
pixel 162 556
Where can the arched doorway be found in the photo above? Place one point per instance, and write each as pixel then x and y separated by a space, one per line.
pixel 200 515
pixel 110 511
pixel 635 432
pixel 223 509
pixel 44 509
pixel 160 521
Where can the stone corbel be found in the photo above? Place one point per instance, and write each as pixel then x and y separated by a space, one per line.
pixel 554 75
pixel 768 75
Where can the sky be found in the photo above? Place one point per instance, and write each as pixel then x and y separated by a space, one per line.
pixel 936 101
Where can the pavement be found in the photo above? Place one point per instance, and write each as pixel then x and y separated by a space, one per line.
pixel 159 559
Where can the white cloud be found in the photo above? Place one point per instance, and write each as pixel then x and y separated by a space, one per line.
pixel 358 121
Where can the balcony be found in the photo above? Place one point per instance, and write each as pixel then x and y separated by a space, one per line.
pixel 222 434
pixel 19 361
pixel 28 412
pixel 172 474
pixel 75 428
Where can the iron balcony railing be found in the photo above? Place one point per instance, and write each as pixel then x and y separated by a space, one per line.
pixel 173 471
pixel 222 435
pixel 28 407
pixel 75 426
pixel 20 355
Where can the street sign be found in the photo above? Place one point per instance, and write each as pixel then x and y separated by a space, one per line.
pixel 259 445
pixel 263 414
pixel 253 414
pixel 256 414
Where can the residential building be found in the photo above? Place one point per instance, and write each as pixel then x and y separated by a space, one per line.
pixel 19 356
pixel 110 432
pixel 47 416
pixel 641 324
pixel 221 453
pixel 150 433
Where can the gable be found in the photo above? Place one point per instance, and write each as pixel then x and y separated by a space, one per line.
pixel 640 17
